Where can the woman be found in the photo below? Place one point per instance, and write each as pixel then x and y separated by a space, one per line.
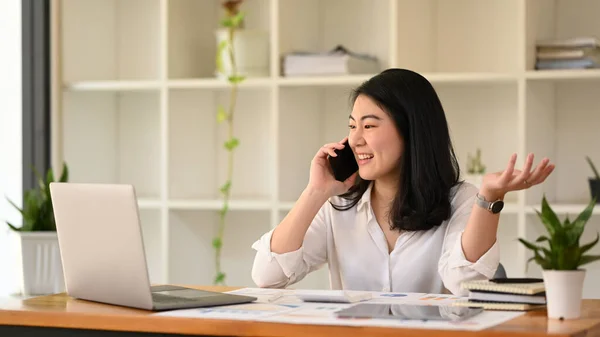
pixel 404 222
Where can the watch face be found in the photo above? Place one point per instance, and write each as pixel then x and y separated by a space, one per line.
pixel 497 206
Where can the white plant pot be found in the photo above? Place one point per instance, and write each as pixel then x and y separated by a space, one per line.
pixel 564 292
pixel 40 267
pixel 251 48
pixel 475 179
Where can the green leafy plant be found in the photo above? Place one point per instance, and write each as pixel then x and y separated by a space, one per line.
pixel 37 211
pixel 564 251
pixel 474 163
pixel 596 175
pixel 233 20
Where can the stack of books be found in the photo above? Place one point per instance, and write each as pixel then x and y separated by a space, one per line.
pixel 338 61
pixel 572 53
pixel 504 295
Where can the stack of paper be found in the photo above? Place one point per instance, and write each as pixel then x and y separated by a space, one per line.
pixel 339 61
pixel 573 53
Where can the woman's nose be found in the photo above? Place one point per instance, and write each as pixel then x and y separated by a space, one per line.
pixel 355 138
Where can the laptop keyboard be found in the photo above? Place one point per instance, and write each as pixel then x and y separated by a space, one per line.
pixel 159 298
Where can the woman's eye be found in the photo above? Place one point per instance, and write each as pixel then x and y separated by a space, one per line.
pixel 351 126
pixel 368 126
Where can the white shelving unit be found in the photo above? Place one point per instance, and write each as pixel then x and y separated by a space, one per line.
pixel 138 105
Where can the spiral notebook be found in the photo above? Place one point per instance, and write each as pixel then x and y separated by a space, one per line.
pixel 507 288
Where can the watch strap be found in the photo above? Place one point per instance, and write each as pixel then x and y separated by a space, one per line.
pixel 489 205
pixel 483 203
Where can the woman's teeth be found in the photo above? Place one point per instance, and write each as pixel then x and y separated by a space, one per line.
pixel 365 156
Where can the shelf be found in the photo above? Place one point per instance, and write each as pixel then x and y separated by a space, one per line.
pixel 234 205
pixel 110 40
pixel 192 35
pixel 342 80
pixel 361 26
pixel 197 156
pixel 471 77
pixel 213 83
pixel 139 100
pixel 458 78
pixel 112 86
pixel 558 19
pixel 110 137
pixel 322 80
pixel 456 36
pixel 192 256
pixel 563 74
pixel 562 124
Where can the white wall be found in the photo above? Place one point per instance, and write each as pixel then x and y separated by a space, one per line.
pixel 10 133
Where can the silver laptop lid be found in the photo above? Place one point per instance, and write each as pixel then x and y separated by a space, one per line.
pixel 101 243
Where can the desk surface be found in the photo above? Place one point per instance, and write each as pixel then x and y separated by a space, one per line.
pixel 61 311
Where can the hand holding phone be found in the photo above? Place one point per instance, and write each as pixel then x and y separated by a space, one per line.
pixel 344 165
pixel 330 165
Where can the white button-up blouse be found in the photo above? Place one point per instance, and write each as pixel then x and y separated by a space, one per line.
pixel 354 246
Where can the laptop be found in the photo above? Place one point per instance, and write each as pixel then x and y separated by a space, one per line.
pixel 102 251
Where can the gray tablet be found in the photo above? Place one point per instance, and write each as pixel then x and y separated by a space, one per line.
pixel 408 312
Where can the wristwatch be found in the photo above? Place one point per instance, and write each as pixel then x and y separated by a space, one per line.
pixel 493 206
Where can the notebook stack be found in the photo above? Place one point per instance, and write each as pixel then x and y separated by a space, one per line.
pixel 573 53
pixel 504 295
pixel 338 61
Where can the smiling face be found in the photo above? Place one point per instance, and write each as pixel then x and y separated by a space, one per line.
pixel 375 140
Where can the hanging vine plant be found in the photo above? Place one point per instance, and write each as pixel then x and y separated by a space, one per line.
pixel 233 21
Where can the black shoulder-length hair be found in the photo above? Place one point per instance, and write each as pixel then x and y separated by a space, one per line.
pixel 429 168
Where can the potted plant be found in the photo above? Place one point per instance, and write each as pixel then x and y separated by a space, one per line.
pixel 475 169
pixel 251 45
pixel 594 181
pixel 561 261
pixel 36 241
pixel 227 54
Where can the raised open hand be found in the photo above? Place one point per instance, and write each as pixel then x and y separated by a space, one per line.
pixel 495 185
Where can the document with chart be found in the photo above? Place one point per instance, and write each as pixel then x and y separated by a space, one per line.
pixel 409 310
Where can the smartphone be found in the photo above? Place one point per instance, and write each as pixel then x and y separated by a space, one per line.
pixel 344 165
pixel 409 312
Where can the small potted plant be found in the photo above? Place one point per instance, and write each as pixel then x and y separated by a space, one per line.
pixel 475 169
pixel 594 181
pixel 561 261
pixel 40 266
pixel 249 47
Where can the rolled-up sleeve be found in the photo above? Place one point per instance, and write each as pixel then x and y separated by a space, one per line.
pixel 273 270
pixel 454 268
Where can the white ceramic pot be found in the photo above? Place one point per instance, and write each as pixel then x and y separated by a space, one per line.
pixel 475 179
pixel 251 47
pixel 564 292
pixel 41 271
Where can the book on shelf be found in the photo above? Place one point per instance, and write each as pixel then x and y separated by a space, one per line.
pixel 506 295
pixel 572 42
pixel 569 53
pixel 338 61
pixel 584 63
